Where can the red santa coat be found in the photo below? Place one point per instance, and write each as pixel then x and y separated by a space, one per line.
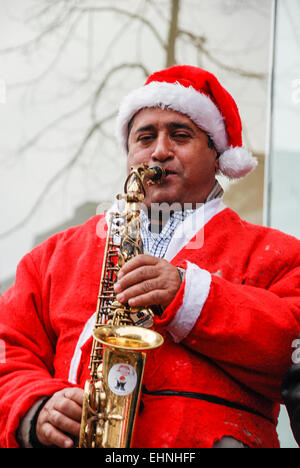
pixel 235 345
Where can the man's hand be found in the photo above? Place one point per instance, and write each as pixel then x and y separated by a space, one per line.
pixel 146 280
pixel 61 415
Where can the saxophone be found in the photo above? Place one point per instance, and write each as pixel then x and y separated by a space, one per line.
pixel 121 336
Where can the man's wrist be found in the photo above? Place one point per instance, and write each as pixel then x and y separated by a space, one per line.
pixel 33 438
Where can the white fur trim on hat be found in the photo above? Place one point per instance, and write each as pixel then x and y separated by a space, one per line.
pixel 237 162
pixel 197 106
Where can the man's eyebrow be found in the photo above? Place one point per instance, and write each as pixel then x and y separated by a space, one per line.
pixel 170 125
pixel 179 125
pixel 145 128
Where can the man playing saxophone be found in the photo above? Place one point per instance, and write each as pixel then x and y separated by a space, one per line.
pixel 227 290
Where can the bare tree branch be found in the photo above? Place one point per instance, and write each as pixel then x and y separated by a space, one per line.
pixel 96 95
pixel 199 43
pixel 126 13
pixel 53 62
pixel 108 76
pixel 56 24
pixel 157 8
pixel 173 32
pixel 54 179
pixel 32 141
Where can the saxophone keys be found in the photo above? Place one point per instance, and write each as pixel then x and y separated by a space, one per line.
pixel 142 317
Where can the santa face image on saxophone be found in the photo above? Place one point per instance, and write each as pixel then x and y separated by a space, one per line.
pixel 122 379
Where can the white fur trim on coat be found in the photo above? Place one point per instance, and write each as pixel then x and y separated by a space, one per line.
pixel 197 106
pixel 197 287
pixel 25 424
pixel 85 335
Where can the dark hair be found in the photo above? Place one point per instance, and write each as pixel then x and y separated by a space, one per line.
pixel 211 145
pixel 129 127
pixel 210 142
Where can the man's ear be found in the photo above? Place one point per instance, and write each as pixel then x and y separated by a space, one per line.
pixel 217 163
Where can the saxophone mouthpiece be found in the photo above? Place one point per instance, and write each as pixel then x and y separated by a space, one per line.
pixel 156 174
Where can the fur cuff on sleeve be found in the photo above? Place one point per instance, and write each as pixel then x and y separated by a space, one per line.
pixel 196 290
pixel 181 315
pixel 24 431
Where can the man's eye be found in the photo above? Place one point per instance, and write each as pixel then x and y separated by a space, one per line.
pixel 181 135
pixel 146 138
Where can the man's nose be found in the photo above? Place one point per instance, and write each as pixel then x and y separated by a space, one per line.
pixel 163 148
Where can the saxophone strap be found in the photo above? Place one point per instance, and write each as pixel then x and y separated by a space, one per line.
pixel 208 398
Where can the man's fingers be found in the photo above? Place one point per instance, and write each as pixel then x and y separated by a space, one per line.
pixel 69 408
pixel 75 394
pixel 135 262
pixel 60 416
pixel 64 423
pixel 138 289
pixel 71 404
pixel 52 436
pixel 153 298
pixel 147 280
pixel 137 275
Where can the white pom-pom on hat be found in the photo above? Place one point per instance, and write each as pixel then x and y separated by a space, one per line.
pixel 237 162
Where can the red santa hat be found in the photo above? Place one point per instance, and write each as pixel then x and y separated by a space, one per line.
pixel 199 95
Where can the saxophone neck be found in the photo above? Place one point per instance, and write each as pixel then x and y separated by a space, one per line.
pixel 134 185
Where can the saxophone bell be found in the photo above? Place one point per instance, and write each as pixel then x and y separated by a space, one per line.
pixel 124 354
pixel 130 338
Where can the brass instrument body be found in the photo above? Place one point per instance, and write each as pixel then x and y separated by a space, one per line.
pixel 121 336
